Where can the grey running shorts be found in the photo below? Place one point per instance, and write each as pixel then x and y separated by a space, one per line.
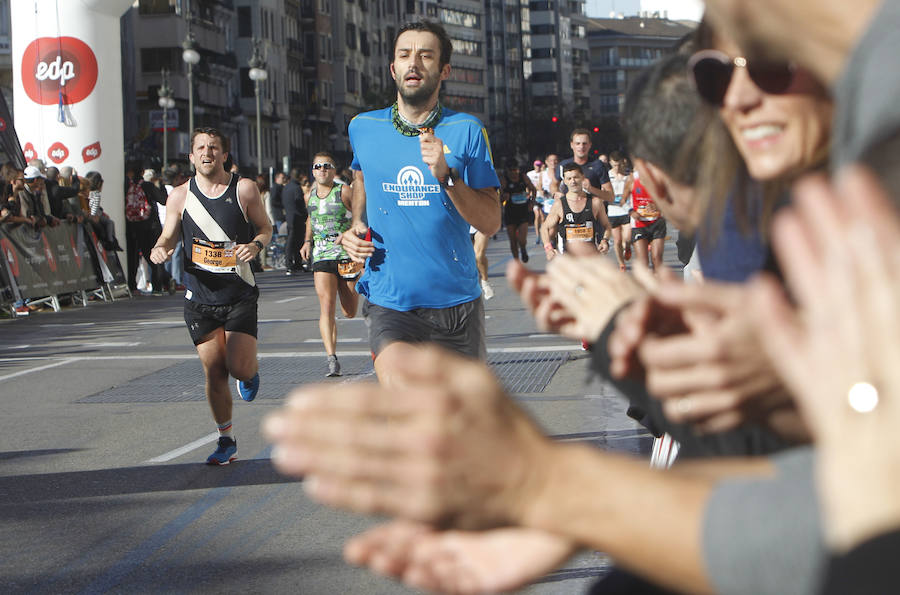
pixel 458 328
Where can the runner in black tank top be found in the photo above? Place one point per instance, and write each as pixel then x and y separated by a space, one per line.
pixel 220 305
pixel 207 287
pixel 517 193
pixel 575 227
pixel 564 225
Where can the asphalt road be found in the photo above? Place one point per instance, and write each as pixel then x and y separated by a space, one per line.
pixel 104 429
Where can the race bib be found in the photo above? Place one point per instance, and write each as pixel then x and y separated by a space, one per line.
pixel 580 233
pixel 349 269
pixel 518 199
pixel 214 257
pixel 648 211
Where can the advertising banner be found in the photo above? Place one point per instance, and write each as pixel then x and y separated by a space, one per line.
pixel 67 86
pixel 50 261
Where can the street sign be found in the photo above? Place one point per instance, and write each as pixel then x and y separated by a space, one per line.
pixel 156 119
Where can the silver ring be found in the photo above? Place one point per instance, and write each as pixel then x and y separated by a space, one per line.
pixel 579 289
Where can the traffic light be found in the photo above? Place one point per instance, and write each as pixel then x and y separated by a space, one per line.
pixel 554 119
pixel 596 129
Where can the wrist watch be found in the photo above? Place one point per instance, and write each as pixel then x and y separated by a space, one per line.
pixel 259 245
pixel 450 178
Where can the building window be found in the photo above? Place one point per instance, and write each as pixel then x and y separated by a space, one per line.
pixel 467 48
pixel 325 6
pixel 155 59
pixel 460 18
pixel 543 77
pixel 156 7
pixel 464 104
pixel 364 43
pixel 351 36
pixel 245 21
pixel 467 75
pixel 350 73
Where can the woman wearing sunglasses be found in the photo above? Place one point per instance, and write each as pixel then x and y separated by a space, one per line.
pixel 334 274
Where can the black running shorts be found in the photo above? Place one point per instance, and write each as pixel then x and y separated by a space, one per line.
pixel 654 231
pixel 619 221
pixel 202 319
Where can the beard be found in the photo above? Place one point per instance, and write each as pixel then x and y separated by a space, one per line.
pixel 420 96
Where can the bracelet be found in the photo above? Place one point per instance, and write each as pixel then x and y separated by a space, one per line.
pixel 548 246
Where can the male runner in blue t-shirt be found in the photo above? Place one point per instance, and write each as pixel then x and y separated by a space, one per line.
pixel 423 173
pixel 595 172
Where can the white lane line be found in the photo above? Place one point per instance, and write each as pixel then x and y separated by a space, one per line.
pixel 39 368
pixel 539 336
pixel 349 340
pixel 264 355
pixel 271 320
pixel 54 324
pixel 291 299
pixel 172 454
pixel 20 346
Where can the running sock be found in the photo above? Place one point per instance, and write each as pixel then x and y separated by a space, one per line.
pixel 225 429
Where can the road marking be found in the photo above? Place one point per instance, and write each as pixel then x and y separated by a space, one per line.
pixel 54 324
pixel 173 454
pixel 20 346
pixel 290 299
pixel 271 320
pixel 39 368
pixel 263 355
pixel 538 336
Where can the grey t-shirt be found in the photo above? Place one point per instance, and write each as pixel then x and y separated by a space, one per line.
pixel 764 536
pixel 867 111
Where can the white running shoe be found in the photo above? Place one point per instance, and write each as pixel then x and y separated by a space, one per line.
pixel 487 290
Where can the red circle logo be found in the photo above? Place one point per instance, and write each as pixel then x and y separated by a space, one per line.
pixel 58 153
pixel 2 125
pixel 54 65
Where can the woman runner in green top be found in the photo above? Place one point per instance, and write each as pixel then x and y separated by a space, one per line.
pixel 334 273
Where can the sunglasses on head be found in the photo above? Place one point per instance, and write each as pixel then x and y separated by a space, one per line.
pixel 323 166
pixel 711 71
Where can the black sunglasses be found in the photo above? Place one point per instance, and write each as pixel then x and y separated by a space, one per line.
pixel 323 166
pixel 711 72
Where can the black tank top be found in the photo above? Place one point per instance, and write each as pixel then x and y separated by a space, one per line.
pixel 215 288
pixel 577 226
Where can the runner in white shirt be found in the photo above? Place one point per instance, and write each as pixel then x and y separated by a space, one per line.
pixel 618 211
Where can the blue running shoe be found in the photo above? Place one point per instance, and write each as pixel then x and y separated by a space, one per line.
pixel 225 453
pixel 248 388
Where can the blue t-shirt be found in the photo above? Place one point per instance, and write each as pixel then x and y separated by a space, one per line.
pixel 423 254
pixel 595 171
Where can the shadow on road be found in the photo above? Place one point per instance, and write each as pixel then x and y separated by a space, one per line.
pixel 46 487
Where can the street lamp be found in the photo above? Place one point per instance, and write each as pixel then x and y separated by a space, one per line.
pixel 166 103
pixel 258 73
pixel 190 57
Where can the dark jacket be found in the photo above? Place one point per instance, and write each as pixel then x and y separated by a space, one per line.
pixel 58 197
pixel 275 201
pixel 294 202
